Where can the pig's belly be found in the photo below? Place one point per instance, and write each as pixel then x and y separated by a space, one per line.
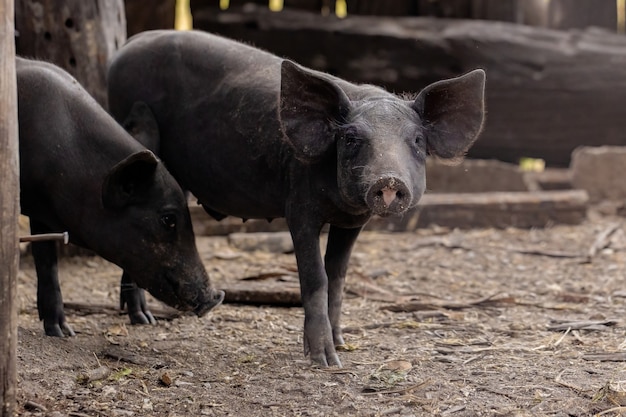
pixel 253 207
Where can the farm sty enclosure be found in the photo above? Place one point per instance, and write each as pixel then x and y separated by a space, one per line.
pixel 437 321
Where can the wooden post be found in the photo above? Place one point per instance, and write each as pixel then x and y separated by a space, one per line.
pixel 9 211
pixel 80 36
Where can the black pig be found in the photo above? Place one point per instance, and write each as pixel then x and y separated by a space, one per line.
pixel 255 136
pixel 81 172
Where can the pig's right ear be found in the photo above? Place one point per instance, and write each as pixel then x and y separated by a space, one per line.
pixel 310 109
pixel 127 182
pixel 142 125
pixel 453 112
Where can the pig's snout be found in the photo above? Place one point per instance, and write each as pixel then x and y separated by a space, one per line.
pixel 216 297
pixel 388 195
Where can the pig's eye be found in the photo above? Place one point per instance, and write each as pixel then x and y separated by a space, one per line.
pixel 168 221
pixel 420 140
pixel 350 137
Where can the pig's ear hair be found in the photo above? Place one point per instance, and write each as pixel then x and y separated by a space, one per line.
pixel 453 113
pixel 128 181
pixel 142 125
pixel 311 108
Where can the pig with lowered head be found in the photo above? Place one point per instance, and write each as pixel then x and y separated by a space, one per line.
pixel 256 136
pixel 81 172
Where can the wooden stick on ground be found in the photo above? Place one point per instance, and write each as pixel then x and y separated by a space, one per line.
pixel 602 240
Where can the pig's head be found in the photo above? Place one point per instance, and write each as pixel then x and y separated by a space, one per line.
pixel 381 141
pixel 151 235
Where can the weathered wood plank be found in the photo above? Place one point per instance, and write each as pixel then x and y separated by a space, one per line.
pixel 497 210
pixel 548 91
pixel 474 176
pixel 9 212
pixel 266 293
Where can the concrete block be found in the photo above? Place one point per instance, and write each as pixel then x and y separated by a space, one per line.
pixel 601 171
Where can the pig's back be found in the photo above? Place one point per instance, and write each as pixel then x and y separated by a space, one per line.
pixel 216 104
pixel 68 142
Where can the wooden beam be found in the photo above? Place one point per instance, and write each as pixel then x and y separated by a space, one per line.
pixel 495 209
pixel 462 210
pixel 9 211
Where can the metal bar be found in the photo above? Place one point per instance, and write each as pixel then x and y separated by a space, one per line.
pixel 65 237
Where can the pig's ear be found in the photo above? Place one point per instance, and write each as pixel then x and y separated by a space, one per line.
pixel 452 112
pixel 127 182
pixel 310 109
pixel 142 125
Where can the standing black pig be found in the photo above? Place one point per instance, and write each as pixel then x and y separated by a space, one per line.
pixel 81 172
pixel 255 136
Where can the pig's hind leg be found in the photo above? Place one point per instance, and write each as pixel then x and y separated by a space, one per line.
pixel 49 298
pixel 133 297
pixel 338 250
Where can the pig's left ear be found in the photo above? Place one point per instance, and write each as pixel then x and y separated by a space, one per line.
pixel 310 109
pixel 127 182
pixel 452 112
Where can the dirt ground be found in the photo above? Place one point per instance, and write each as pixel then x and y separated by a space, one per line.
pixel 439 322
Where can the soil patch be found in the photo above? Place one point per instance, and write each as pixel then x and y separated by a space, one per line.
pixel 437 322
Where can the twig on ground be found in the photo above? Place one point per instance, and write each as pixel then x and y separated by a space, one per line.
pixel 474 358
pixel 558 342
pixel 450 244
pixel 573 387
pixel 33 406
pixel 584 325
pixel 402 390
pixel 453 410
pixel 365 287
pixel 606 357
pixel 602 240
pixel 109 309
pixel 489 301
pixel 124 356
pixel 513 397
pixel 268 275
pixel 611 410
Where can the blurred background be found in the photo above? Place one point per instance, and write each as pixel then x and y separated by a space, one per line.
pixel 556 69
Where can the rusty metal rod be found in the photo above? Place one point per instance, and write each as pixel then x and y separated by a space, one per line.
pixel 65 237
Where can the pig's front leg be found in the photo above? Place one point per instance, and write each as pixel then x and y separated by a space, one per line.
pixel 318 336
pixel 133 297
pixel 338 250
pixel 49 299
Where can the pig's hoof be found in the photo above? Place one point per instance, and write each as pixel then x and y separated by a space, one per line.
pixel 318 342
pixel 134 297
pixel 325 360
pixel 58 329
pixel 141 317
pixel 322 357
